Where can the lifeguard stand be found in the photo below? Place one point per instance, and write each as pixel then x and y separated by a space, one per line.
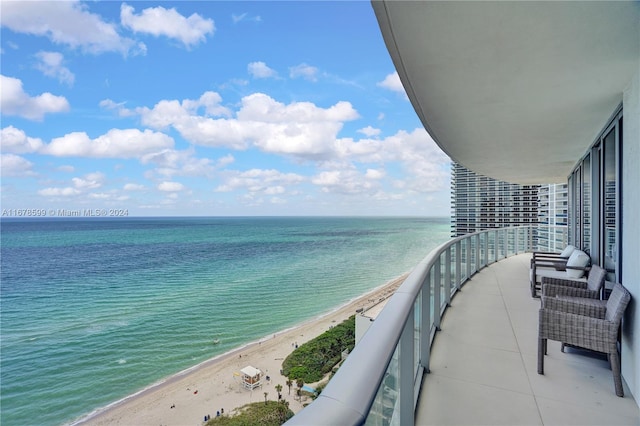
pixel 251 377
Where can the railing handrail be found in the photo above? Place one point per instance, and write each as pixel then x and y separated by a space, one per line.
pixel 348 397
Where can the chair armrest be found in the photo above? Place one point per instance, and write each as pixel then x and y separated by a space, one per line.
pixel 579 268
pixel 572 307
pixel 553 290
pixel 558 265
pixel 565 282
pixel 548 260
pixel 548 256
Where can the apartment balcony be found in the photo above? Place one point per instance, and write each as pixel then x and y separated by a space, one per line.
pixel 484 363
pixel 457 344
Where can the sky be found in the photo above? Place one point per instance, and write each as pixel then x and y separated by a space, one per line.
pixel 209 109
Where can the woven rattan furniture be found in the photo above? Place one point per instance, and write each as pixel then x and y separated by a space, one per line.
pixel 565 288
pixel 592 326
pixel 572 268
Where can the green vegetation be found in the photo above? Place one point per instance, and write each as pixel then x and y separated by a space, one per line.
pixel 269 413
pixel 312 360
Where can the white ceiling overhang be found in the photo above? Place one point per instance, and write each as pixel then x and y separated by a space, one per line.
pixel 514 90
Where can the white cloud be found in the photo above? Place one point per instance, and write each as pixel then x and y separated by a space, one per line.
pixel 51 65
pixel 225 161
pixel 100 196
pixel 116 143
pixel 273 190
pixel 89 181
pixel 375 174
pixel 305 71
pixel 344 182
pixel 59 192
pixel 172 162
pixel 159 21
pixel 14 100
pixel 119 107
pixel 392 82
pixel 369 131
pixel 81 186
pixel 179 114
pixel 68 23
pixel 426 166
pixel 133 187
pixel 14 165
pixel 299 129
pixel 170 186
pixel 245 17
pixel 268 182
pixel 260 70
pixel 67 169
pixel 16 141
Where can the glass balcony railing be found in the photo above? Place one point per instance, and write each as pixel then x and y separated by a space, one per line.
pixel 380 381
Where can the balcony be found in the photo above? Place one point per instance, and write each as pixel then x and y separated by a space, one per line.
pixel 483 363
pixel 432 358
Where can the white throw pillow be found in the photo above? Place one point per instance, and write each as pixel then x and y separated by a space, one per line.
pixel 579 259
pixel 568 251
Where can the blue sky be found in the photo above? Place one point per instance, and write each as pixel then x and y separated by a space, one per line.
pixel 210 109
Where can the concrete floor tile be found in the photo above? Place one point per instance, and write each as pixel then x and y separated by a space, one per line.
pixel 484 363
pixel 448 401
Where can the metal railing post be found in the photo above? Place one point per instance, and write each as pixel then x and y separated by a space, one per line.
pixel 437 283
pixel 458 266
pixel 468 253
pixel 425 342
pixel 447 276
pixel 477 253
pixel 485 253
pixel 406 376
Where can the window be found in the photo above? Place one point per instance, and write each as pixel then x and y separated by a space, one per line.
pixel 594 200
pixel 585 242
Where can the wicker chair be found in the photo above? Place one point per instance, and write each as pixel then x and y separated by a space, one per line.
pixel 566 288
pixel 592 326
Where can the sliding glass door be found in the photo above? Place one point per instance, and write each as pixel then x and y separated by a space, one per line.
pixel 594 186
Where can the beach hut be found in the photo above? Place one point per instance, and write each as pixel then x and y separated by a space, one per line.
pixel 251 377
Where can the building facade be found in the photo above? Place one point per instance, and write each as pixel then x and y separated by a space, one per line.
pixel 553 212
pixel 480 202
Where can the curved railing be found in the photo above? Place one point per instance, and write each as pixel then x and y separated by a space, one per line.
pixel 380 381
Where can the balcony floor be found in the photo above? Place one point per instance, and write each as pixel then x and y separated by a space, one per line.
pixel 484 363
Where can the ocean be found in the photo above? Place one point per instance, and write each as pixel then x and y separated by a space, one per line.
pixel 94 310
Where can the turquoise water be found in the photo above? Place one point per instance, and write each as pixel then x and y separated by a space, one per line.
pixel 95 310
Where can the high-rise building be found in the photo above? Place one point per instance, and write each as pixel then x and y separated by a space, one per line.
pixel 480 202
pixel 553 204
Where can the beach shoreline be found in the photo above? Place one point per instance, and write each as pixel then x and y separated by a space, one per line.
pixel 211 386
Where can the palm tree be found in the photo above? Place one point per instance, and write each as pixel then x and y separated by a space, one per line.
pixel 289 383
pixel 279 389
pixel 300 383
pixel 265 397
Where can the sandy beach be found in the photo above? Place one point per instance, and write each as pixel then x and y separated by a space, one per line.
pixel 187 397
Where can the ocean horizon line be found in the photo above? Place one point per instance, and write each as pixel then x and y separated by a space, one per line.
pixel 14 218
